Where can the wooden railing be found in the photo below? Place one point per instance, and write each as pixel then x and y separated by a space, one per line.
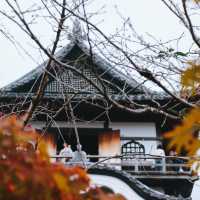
pixel 140 164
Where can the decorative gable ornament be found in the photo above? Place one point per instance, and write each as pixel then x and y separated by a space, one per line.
pixel 78 33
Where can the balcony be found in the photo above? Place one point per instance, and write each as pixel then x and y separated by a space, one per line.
pixel 140 166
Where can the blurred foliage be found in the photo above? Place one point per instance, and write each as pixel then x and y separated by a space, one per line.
pixel 183 136
pixel 26 174
pixel 190 79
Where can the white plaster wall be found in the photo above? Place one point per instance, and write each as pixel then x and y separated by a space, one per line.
pixel 127 129
pixel 139 129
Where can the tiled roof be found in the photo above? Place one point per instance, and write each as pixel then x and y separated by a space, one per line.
pixel 137 186
pixel 101 64
pixel 139 92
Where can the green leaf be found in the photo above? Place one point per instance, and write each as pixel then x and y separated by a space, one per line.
pixel 179 53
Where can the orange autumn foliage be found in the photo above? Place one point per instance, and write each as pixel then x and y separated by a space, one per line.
pixel 182 137
pixel 190 79
pixel 28 175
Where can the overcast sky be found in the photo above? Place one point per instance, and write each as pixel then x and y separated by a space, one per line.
pixel 147 17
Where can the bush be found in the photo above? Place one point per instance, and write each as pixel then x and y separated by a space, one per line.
pixel 29 175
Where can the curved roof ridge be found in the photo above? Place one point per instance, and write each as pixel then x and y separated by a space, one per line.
pixel 107 67
pixel 38 70
pixel 111 69
pixel 141 189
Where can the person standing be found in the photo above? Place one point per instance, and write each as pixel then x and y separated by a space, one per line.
pixel 79 155
pixel 160 153
pixel 66 151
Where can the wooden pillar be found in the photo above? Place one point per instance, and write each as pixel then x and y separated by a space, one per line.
pixel 51 145
pixel 109 144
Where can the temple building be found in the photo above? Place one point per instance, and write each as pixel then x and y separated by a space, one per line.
pixel 104 129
